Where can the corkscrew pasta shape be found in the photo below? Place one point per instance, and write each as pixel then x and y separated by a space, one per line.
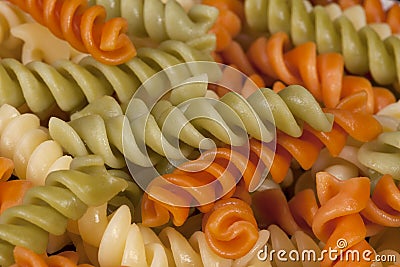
pixel 323 74
pixel 159 21
pixel 333 219
pixel 124 243
pixel 363 50
pixel 229 22
pixel 375 12
pixel 84 28
pixel 71 86
pixel 382 154
pixel 299 242
pixel 29 145
pixel 66 195
pixel 382 209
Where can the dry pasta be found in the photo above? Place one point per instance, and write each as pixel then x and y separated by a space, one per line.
pixel 84 28
pixel 332 155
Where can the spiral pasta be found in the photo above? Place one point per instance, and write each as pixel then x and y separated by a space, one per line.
pixel 84 28
pixel 70 86
pixel 155 21
pixel 322 74
pixel 382 209
pixel 39 44
pixel 304 250
pixel 375 12
pixel 363 50
pixel 23 140
pixel 228 24
pixel 382 154
pixel 344 221
pixel 66 195
pixel 129 244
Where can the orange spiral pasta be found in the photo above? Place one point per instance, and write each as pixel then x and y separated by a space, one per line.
pixel 25 257
pixel 322 74
pixel 226 28
pixel 374 11
pixel 11 192
pixel 339 217
pixel 346 123
pixel 230 228
pixel 383 208
pixel 229 22
pixel 83 27
pixel 195 179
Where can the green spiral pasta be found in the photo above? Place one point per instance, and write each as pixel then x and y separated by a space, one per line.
pixel 71 86
pixel 230 120
pixel 161 21
pixel 46 209
pixel 382 154
pixel 363 50
pixel 288 107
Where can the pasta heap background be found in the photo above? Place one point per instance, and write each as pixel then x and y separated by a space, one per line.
pixel 254 125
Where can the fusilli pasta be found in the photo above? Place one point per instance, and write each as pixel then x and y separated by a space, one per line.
pixel 70 86
pixel 23 140
pixel 158 21
pixel 46 209
pixel 84 28
pixel 363 50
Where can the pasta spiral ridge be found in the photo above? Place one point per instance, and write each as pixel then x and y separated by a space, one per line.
pixel 374 11
pixel 230 228
pixel 66 195
pixel 322 74
pixel 161 21
pixel 383 207
pixel 299 242
pixel 292 142
pixel 84 28
pixel 29 145
pixel 71 86
pixel 10 16
pixel 385 147
pixel 124 243
pixel 229 22
pixel 343 222
pixel 363 50
pixel 257 121
pixel 171 195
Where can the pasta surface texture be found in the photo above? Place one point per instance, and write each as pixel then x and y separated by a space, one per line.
pixel 84 28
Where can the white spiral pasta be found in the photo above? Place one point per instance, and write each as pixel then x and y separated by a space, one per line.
pixel 39 44
pixel 118 242
pixel 29 145
pixel 389 117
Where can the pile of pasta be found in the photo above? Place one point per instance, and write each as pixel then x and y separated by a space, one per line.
pixel 279 132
